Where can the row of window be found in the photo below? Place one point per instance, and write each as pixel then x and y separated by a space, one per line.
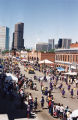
pixel 68 58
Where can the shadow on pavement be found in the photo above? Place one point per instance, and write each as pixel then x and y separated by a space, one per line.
pixel 11 107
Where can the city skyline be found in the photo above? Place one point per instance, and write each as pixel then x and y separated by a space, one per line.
pixel 43 19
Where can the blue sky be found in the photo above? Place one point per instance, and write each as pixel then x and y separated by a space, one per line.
pixel 43 19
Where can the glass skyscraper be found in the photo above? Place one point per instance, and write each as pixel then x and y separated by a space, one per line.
pixel 4 38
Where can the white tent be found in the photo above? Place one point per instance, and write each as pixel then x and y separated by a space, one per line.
pixel 45 62
pixel 74 113
pixel 24 60
pixel 31 62
pixel 14 57
pixel 73 67
pixel 71 73
pixel 11 77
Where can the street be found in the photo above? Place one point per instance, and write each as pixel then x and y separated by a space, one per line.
pixel 67 101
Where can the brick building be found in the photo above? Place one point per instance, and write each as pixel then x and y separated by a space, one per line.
pixel 66 57
pixel 74 45
pixel 41 56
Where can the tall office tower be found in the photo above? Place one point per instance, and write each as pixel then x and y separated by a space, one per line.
pixel 18 41
pixel 4 38
pixel 64 43
pixel 50 44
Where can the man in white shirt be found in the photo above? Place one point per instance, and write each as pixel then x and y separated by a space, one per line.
pixel 61 110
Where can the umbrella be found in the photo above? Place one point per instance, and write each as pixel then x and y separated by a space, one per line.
pixel 74 113
pixel 46 61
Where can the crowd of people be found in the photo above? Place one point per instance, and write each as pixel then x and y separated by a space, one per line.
pixel 27 101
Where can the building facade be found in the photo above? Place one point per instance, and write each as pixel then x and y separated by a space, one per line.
pixel 41 56
pixel 18 41
pixel 74 45
pixel 4 38
pixel 51 44
pixel 64 43
pixel 66 58
pixel 42 47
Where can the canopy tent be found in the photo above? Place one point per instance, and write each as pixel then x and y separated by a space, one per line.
pixel 31 62
pixel 73 67
pixel 14 57
pixel 24 60
pixel 74 114
pixel 60 69
pixel 71 73
pixel 11 77
pixel 46 61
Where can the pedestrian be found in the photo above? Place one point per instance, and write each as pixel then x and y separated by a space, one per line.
pixel 49 106
pixel 52 106
pixel 61 85
pixel 77 94
pixel 65 116
pixel 41 85
pixel 58 109
pixel 63 93
pixel 61 111
pixel 72 93
pixel 28 111
pixel 51 86
pixel 42 102
pixel 69 86
pixel 35 104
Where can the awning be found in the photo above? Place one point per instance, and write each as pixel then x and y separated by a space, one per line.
pixel 60 69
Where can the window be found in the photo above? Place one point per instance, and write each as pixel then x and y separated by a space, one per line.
pixel 65 57
pixel 73 58
pixel 68 58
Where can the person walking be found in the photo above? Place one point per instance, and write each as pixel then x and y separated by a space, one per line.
pixel 63 93
pixel 72 93
pixel 77 94
pixel 28 111
pixel 41 85
pixel 42 102
pixel 69 86
pixel 35 104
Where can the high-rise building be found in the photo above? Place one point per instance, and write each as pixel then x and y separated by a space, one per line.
pixel 18 41
pixel 4 38
pixel 64 43
pixel 50 44
pixel 42 46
